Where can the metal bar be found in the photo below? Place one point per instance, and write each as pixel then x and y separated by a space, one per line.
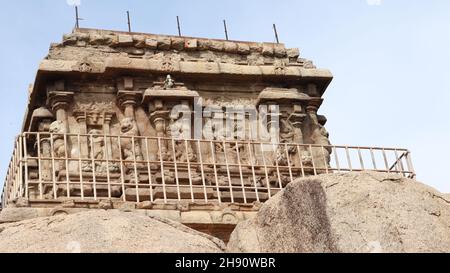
pixel 52 151
pixel 269 190
pixel 41 193
pixel 240 172
pixel 280 184
pixel 253 170
pixel 374 163
pixel 129 21
pixel 226 29
pixel 289 162
pixel 176 170
pixel 312 160
pixel 19 160
pixel 410 165
pixel 77 18
pixel 276 33
pixel 361 161
pixel 186 146
pixel 386 161
pixel 349 161
pixel 67 166
pixel 94 176
pixel 25 151
pixel 149 169
pixel 161 162
pixel 136 174
pixel 325 162
pixel 336 158
pixel 228 171
pixel 213 154
pixel 80 165
pixel 122 175
pixel 300 159
pixel 108 176
pixel 200 158
pixel 178 24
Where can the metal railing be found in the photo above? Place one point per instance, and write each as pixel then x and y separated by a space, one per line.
pixel 48 167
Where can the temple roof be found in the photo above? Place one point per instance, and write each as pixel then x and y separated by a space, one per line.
pixel 94 54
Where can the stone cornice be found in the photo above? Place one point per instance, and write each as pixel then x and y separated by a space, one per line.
pixel 185 67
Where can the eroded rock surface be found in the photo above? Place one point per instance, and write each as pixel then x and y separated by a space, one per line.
pixel 104 232
pixel 355 212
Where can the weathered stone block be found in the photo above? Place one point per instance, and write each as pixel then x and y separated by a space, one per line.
pixel 230 47
pixel 151 43
pixel 178 43
pixel 98 39
pixel 243 48
pixel 267 49
pixel 139 41
pixel 279 51
pixel 293 53
pixel 191 44
pixel 145 205
pixel 125 40
pixel 69 39
pixel 164 43
pixel 216 45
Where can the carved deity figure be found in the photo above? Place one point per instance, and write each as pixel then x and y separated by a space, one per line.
pixel 178 131
pixel 58 129
pixel 131 150
pixel 98 144
pixel 287 136
pixel 320 136
pixel 169 83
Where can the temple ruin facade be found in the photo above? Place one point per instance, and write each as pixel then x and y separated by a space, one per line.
pixel 200 131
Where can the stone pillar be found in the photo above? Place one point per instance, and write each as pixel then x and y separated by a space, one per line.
pixel 128 100
pixel 312 108
pixel 81 120
pixel 59 102
pixel 107 131
pixel 297 118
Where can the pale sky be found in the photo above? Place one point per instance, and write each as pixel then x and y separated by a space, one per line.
pixel 390 60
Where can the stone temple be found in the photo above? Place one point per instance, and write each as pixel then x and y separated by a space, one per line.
pixel 200 131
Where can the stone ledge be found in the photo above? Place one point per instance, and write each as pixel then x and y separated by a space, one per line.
pixel 205 68
pixel 225 216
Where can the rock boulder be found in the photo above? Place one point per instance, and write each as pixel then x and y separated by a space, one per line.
pixel 354 212
pixel 102 231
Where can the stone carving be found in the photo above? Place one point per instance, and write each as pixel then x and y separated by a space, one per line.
pixel 131 149
pixel 179 131
pixel 287 136
pixel 123 129
pixel 167 64
pixel 169 83
pixel 280 67
pixel 320 136
pixel 58 130
pixel 93 106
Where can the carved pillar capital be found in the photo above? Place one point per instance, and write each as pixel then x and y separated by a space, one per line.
pixel 128 100
pixel 59 100
pixel 314 105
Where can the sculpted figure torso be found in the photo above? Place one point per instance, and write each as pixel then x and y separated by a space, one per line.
pixel 58 129
pixel 130 149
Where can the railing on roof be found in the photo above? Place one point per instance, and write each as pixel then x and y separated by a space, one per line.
pixel 48 167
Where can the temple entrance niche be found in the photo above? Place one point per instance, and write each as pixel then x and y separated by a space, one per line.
pixel 95 118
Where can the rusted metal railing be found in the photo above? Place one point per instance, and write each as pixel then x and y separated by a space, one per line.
pixel 47 167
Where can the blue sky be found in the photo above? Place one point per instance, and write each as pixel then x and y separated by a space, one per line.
pixel 390 60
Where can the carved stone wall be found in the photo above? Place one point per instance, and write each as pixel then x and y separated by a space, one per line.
pixel 99 95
